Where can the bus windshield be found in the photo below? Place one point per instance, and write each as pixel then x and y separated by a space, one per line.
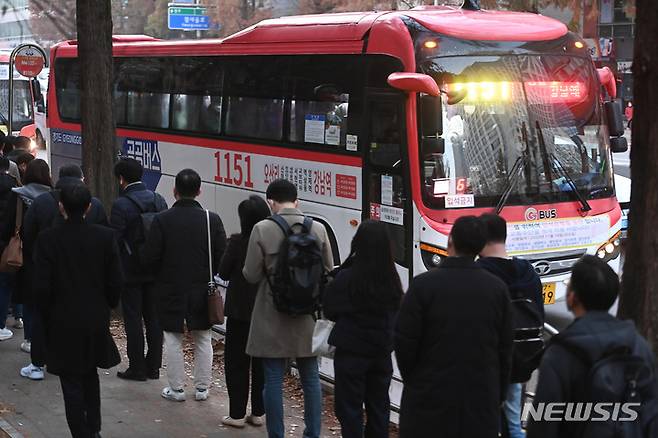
pixel 528 124
pixel 23 106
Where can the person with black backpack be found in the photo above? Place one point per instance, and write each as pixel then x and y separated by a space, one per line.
pixel 599 374
pixel 525 290
pixel 131 216
pixel 287 256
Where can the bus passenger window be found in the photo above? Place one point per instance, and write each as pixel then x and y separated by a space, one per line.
pixel 329 107
pixel 385 135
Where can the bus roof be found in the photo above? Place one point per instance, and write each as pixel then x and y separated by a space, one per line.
pixel 345 33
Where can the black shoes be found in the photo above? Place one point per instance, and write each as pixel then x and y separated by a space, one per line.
pixel 153 375
pixel 131 375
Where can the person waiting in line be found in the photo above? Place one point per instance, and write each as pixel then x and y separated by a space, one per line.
pixel 566 373
pixel 76 306
pixel 138 303
pixel 364 299
pixel 37 181
pixel 527 314
pixel 177 251
pixel 240 298
pixel 453 344
pixel 7 183
pixel 277 336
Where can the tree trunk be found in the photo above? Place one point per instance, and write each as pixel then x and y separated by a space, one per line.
pixel 639 299
pixel 94 23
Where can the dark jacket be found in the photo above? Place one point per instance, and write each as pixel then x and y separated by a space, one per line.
pixel 123 217
pixel 44 213
pixel 25 277
pixel 360 330
pixel 78 280
pixel 176 251
pixel 7 182
pixel 519 276
pixel 563 375
pixel 453 344
pixel 240 295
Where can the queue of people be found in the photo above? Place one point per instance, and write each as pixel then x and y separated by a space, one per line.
pixel 465 335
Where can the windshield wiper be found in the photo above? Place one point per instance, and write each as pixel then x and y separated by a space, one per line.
pixel 515 173
pixel 557 166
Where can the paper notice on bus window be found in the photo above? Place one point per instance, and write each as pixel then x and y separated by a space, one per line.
pixel 392 215
pixel 332 135
pixel 352 142
pixel 387 190
pixel 441 187
pixel 460 201
pixel 314 128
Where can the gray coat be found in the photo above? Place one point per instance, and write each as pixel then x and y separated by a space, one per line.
pixel 274 334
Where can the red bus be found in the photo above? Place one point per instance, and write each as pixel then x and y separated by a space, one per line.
pixel 413 118
pixel 27 96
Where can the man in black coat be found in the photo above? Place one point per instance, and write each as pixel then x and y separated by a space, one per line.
pixel 565 370
pixel 138 300
pixel 453 344
pixel 78 279
pixel 177 251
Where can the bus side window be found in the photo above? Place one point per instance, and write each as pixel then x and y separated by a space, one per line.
pixel 197 102
pixel 147 86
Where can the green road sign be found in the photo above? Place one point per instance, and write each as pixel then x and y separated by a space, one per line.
pixel 188 10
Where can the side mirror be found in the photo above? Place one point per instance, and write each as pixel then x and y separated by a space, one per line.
pixel 614 118
pixel 431 124
pixel 608 81
pixel 36 89
pixel 618 144
pixel 413 82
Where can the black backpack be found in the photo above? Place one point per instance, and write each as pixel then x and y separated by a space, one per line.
pixel 618 376
pixel 139 228
pixel 298 274
pixel 528 326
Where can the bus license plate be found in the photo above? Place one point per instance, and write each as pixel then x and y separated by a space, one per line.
pixel 548 291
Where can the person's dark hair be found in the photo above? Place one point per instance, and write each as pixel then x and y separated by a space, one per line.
pixel 374 283
pixel 468 236
pixel 24 158
pixel 188 183
pixel 251 211
pixel 595 283
pixel 71 171
pixel 38 172
pixel 4 164
pixel 76 199
pixel 8 144
pixel 130 169
pixel 281 190
pixel 22 142
pixel 495 227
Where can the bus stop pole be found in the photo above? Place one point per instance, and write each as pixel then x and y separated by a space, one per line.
pixel 10 109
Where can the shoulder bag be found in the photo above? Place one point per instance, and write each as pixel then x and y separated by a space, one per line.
pixel 215 302
pixel 12 256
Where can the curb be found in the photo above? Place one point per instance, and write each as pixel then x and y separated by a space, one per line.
pixel 9 430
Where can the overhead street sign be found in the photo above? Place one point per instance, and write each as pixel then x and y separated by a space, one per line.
pixel 188 18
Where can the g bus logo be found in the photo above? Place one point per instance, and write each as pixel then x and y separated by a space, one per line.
pixel 532 214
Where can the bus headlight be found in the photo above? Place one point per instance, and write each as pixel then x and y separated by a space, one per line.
pixel 611 249
pixel 432 256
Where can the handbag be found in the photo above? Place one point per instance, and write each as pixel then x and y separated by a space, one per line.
pixel 12 256
pixel 321 333
pixel 215 302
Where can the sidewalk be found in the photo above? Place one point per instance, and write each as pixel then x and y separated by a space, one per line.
pixel 130 409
